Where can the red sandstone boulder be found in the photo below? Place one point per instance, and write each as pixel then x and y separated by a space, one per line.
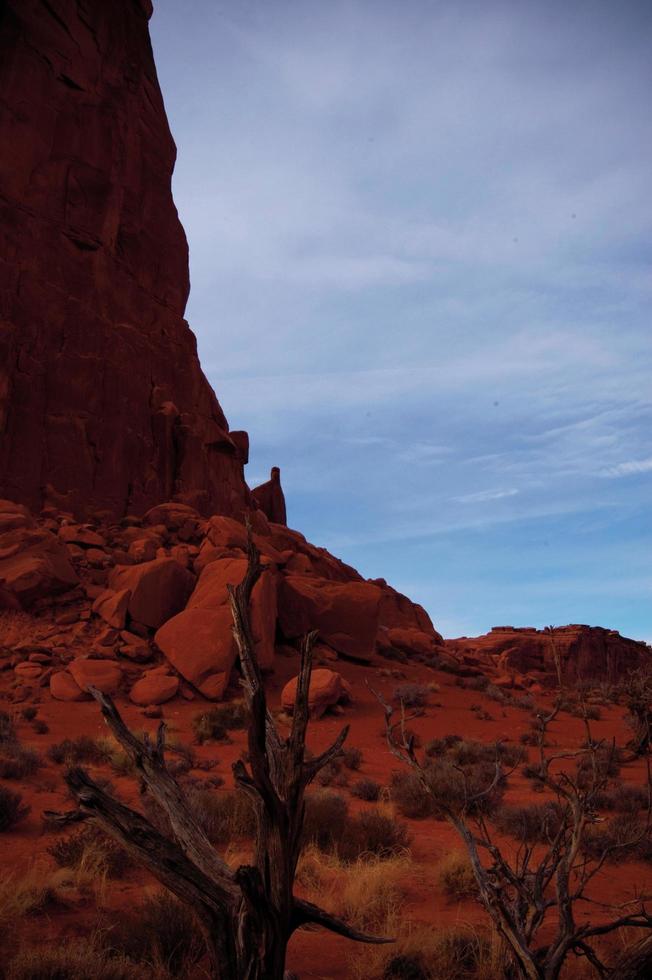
pixel 84 537
pixel 327 688
pixel 345 614
pixel 143 549
pixel 105 675
pixel 112 607
pixel 33 564
pixel 159 589
pixel 64 687
pixel 172 515
pixel 199 644
pixel 411 641
pixel 154 689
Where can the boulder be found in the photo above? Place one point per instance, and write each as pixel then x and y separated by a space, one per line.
pixel 64 687
pixel 345 614
pixel 159 589
pixel 199 644
pixel 327 688
pixel 34 564
pixel 112 607
pixel 13 516
pixel 105 675
pixel 154 689
pixel 211 592
pixel 143 549
pixel 84 537
pixel 172 515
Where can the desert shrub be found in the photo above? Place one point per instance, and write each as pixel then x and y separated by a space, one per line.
pixel 467 752
pixel 371 832
pixel 40 727
pixel 89 848
pixel 411 695
pixel 161 932
pixel 409 795
pixel 17 761
pixel 29 712
pixel 332 774
pixel 456 876
pixel 12 809
pixel 583 710
pixel 532 772
pixel 77 959
pixel 529 738
pixel 214 724
pixel 78 750
pixel 531 822
pixel 325 818
pixel 627 833
pixel 366 789
pixel 437 746
pixel 351 757
pixel 223 816
pixel 623 798
pixel 604 762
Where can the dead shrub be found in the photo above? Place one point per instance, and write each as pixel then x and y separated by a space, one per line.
pixel 411 695
pixel 77 959
pixel 531 822
pixel 17 761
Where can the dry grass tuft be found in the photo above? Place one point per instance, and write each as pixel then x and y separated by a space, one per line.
pixel 456 876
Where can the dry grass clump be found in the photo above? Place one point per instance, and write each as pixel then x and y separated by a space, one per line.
pixel 78 959
pixel 214 725
pixel 161 933
pixel 623 797
pixel 456 877
pixel 605 761
pixel 12 809
pixel 351 757
pixel 79 750
pixel 627 833
pixel 90 850
pixel 530 822
pixel 368 892
pixel 423 953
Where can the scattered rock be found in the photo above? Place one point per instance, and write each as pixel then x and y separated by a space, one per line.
pixel 106 676
pixel 154 689
pixel 327 688
pixel 159 589
pixel 63 687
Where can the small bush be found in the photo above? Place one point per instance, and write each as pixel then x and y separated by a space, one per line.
pixel 161 932
pixel 411 695
pixel 371 832
pixel 351 757
pixel 325 818
pixel 214 724
pixel 631 838
pixel 79 750
pixel 590 711
pixel 456 876
pixel 409 795
pixel 623 798
pixel 12 809
pixel 29 712
pixel 427 954
pixel 604 762
pixel 530 823
pixel 89 848
pixel 437 746
pixel 40 727
pixel 17 761
pixel 366 789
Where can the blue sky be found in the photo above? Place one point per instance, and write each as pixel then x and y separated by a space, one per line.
pixel 420 253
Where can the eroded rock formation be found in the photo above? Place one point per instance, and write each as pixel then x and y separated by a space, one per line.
pixel 103 404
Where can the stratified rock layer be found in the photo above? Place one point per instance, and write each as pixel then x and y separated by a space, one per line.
pixel 103 404
pixel 583 653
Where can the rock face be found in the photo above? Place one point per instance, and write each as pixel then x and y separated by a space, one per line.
pixel 584 652
pixel 99 376
pixel 271 499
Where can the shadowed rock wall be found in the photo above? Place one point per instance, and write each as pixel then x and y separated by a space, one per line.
pixel 103 404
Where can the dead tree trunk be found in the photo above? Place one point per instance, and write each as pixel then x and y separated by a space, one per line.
pixel 247 915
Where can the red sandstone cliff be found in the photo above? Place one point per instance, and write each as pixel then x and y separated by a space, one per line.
pixel 103 404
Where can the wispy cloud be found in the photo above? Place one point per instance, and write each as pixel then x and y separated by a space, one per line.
pixel 630 467
pixel 484 495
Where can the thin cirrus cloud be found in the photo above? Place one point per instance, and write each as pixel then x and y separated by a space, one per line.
pixel 419 244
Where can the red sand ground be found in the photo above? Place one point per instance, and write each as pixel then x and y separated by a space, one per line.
pixel 312 954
